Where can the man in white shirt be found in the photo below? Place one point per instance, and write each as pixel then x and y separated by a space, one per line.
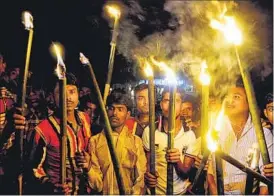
pixel 236 138
pixel 182 140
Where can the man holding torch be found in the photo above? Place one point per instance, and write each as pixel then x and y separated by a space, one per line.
pixel 129 149
pixel 182 141
pixel 45 155
pixel 236 137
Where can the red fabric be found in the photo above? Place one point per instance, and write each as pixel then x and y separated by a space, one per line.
pixel 50 164
pixel 2 106
pixel 130 124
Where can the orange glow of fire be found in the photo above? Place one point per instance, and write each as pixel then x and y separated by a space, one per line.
pixel 57 50
pixel 170 75
pixel 113 11
pixel 212 134
pixel 148 70
pixel 229 28
pixel 204 77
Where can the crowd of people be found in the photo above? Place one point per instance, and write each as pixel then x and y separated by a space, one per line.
pixel 89 166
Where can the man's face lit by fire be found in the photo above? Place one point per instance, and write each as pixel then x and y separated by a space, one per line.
pixel 142 101
pixel 34 97
pixel 118 114
pixel 236 102
pixel 268 112
pixel 90 109
pixel 72 96
pixel 165 105
pixel 187 110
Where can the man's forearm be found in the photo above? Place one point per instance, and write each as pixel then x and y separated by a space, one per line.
pixel 212 185
pixel 181 169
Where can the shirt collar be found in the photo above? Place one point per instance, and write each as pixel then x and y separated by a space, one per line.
pixel 248 125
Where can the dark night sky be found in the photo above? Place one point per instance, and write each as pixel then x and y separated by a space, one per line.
pixel 78 25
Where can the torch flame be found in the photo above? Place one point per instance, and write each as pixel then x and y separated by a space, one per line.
pixel 148 70
pixel 204 77
pixel 27 20
pixel 229 28
pixel 57 50
pixel 212 143
pixel 113 11
pixel 170 75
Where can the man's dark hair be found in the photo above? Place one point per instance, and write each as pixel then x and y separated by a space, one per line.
pixel 87 98
pixel 71 80
pixel 140 87
pixel 119 96
pixel 268 99
pixel 191 99
pixel 240 83
pixel 178 90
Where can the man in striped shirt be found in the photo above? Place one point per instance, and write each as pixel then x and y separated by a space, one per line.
pixel 45 155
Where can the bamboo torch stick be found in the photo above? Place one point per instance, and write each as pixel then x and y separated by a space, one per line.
pixel 234 36
pixel 171 130
pixel 244 168
pixel 219 175
pixel 27 20
pixel 205 81
pixel 200 171
pixel 171 118
pixel 151 96
pixel 108 129
pixel 61 74
pixel 253 107
pixel 115 12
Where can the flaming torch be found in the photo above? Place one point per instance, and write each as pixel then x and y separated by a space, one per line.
pixel 108 129
pixel 115 13
pixel 61 74
pixel 212 144
pixel 234 36
pixel 205 81
pixel 171 119
pixel 212 138
pixel 27 20
pixel 151 94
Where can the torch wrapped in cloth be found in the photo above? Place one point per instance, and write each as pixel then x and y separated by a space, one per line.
pixel 151 96
pixel 205 81
pixel 27 20
pixel 61 74
pixel 114 12
pixel 234 36
pixel 171 119
pixel 108 129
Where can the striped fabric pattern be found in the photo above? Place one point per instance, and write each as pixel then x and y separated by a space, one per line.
pixel 48 143
pixel 234 178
